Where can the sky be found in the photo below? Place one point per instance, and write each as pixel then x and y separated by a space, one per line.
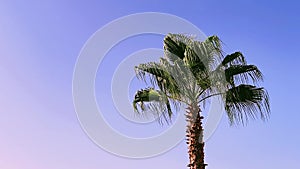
pixel 41 41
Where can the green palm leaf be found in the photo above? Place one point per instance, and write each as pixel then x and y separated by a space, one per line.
pixel 153 101
pixel 174 48
pixel 246 101
pixel 159 76
pixel 242 73
pixel 234 59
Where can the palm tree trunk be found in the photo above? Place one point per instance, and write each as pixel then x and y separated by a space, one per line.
pixel 195 137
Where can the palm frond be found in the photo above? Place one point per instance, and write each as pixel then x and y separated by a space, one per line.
pixel 209 52
pixel 241 74
pixel 159 76
pixel 202 58
pixel 152 101
pixel 216 43
pixel 246 101
pixel 234 59
pixel 195 63
pixel 185 79
pixel 173 47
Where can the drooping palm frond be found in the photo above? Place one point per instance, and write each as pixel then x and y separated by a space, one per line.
pixel 241 74
pixel 152 101
pixel 246 102
pixel 159 75
pixel 236 58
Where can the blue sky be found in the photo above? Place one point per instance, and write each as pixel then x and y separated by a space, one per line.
pixel 40 42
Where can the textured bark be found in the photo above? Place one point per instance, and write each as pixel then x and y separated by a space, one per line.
pixel 195 137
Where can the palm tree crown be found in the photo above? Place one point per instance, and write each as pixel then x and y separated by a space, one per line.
pixel 192 71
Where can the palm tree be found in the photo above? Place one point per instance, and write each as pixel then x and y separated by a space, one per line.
pixel 190 73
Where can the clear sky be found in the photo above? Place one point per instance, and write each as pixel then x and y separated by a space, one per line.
pixel 41 40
